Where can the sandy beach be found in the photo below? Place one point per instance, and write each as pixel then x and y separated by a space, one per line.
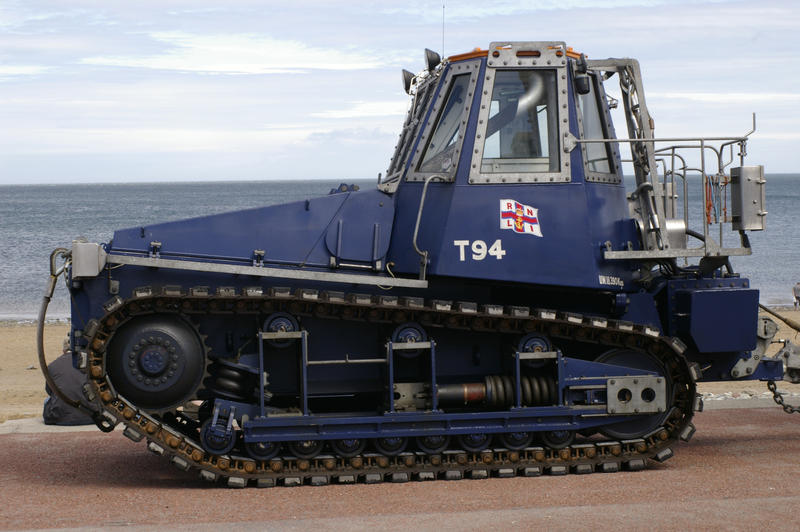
pixel 22 385
pixel 21 381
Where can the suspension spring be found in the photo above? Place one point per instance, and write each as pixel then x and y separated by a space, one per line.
pixel 500 391
pixel 229 382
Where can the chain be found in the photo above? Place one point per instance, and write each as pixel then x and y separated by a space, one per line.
pixel 778 397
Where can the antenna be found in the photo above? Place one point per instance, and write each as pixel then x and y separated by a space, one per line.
pixel 442 29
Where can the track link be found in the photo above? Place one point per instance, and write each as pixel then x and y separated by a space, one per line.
pixel 176 438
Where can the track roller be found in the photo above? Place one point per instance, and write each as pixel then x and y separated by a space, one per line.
pixel 216 439
pixel 432 444
pixel 390 446
pixel 516 441
pixel 474 443
pixel 306 448
pixel 348 448
pixel 262 450
pixel 557 439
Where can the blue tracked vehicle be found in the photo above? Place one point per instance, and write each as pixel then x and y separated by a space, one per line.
pixel 498 305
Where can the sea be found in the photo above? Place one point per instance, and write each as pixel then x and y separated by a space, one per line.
pixel 35 219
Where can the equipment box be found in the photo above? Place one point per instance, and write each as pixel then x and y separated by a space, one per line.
pixel 747 198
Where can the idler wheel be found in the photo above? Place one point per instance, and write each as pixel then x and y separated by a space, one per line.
pixel 432 444
pixel 534 343
pixel 474 443
pixel 156 362
pixel 348 448
pixel 516 441
pixel 262 450
pixel 306 448
pixel 390 446
pixel 409 332
pixel 281 322
pixel 557 439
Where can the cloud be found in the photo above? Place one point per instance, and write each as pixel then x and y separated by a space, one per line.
pixel 777 136
pixel 238 54
pixel 21 70
pixel 728 97
pixel 366 109
pixel 152 140
pixel 358 135
pixel 469 10
pixel 15 15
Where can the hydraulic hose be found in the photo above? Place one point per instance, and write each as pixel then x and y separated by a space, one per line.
pixel 55 273
pixel 48 295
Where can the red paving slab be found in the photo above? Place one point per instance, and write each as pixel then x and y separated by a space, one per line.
pixel 740 471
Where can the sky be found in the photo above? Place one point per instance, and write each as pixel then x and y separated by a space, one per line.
pixel 114 91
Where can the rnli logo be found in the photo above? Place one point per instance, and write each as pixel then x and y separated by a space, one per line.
pixel 519 217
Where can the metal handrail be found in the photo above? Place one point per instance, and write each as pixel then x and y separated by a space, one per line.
pixel 423 266
pixel 677 166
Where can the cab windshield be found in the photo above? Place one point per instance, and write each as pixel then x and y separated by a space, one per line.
pixel 521 133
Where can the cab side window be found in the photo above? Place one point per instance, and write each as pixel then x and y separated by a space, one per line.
pixel 441 147
pixel 597 154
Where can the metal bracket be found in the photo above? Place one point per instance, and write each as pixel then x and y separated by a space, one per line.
pixel 791 360
pixel 258 257
pixel 570 142
pixel 642 394
pixel 745 367
pixel 218 430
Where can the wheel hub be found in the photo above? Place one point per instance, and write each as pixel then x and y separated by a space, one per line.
pixel 156 361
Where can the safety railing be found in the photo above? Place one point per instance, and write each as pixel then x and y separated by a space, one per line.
pixel 669 184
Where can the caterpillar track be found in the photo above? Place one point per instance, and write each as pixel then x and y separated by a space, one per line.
pixel 175 435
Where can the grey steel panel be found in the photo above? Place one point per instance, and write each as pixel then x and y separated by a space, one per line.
pixel 636 394
pixel 674 253
pixel 748 198
pixel 256 271
pixel 88 259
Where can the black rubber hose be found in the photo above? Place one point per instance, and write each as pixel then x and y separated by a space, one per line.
pixel 48 294
pixel 698 236
pixel 96 416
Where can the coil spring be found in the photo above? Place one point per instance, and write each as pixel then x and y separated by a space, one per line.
pixel 537 390
pixel 229 382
